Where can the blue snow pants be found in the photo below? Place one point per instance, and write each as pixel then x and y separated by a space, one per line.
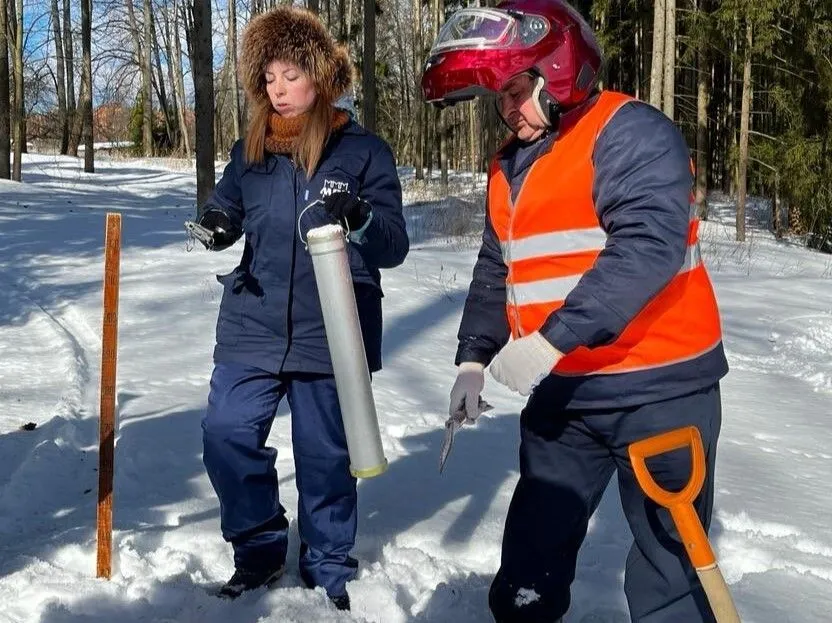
pixel 241 407
pixel 567 458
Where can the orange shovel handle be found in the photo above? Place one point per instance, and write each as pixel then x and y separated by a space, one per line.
pixel 680 503
pixel 666 442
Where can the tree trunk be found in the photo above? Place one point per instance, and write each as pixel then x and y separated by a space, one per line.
pixel 639 34
pixel 19 110
pixel 599 26
pixel 174 101
pixel 745 121
pixel 442 135
pixel 657 65
pixel 670 59
pixel 368 115
pixel 5 109
pixel 203 72
pixel 219 145
pixel 139 48
pixel 702 146
pixel 232 59
pixel 147 78
pixel 342 21
pixel 731 123
pixel 314 6
pixel 472 143
pixel 493 127
pixel 69 53
pixel 161 92
pixel 703 82
pixel 86 78
pixel 418 52
pixel 778 208
pixel 184 135
pixel 442 119
pixel 133 26
pixel 349 21
pixel 60 78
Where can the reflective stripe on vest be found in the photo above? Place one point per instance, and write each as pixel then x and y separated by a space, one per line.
pixel 557 289
pixel 551 235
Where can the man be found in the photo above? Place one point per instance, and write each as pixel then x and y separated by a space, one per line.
pixel 589 294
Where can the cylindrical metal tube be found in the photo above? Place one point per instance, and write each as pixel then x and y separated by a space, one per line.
pixel 327 246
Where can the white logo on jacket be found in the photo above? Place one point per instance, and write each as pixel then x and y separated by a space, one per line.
pixel 330 187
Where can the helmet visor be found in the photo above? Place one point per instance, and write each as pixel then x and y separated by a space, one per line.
pixel 489 28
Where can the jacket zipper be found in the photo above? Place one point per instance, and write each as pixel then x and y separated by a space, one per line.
pixel 293 263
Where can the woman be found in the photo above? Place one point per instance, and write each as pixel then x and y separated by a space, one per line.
pixel 303 163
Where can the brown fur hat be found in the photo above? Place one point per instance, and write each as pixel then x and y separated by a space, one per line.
pixel 297 36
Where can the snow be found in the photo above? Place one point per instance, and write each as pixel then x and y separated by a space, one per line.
pixel 428 544
pixel 525 596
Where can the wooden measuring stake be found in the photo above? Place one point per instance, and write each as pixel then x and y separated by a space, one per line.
pixel 107 407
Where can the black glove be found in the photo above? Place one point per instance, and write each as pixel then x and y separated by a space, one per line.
pixel 346 208
pixel 225 233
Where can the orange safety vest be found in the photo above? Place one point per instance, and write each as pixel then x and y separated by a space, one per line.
pixel 551 235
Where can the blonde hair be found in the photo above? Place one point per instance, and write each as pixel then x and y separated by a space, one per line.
pixel 309 147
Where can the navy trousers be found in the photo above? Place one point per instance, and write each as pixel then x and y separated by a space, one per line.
pixel 567 458
pixel 241 408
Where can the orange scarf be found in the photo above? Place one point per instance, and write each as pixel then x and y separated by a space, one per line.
pixel 283 132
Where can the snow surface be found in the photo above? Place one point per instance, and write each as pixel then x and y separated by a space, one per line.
pixel 428 544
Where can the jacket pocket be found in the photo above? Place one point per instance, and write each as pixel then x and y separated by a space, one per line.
pixel 361 273
pixel 230 318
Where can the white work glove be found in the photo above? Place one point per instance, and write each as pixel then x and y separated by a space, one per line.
pixel 470 380
pixel 523 363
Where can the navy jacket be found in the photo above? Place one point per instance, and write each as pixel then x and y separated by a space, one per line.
pixel 641 191
pixel 270 315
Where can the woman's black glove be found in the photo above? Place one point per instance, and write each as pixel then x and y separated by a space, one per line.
pixel 346 208
pixel 224 232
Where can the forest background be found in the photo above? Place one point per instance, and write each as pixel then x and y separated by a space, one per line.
pixel 749 83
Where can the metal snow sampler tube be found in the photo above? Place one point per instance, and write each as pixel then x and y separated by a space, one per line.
pixel 327 245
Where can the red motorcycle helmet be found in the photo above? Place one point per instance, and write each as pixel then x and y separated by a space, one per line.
pixel 479 49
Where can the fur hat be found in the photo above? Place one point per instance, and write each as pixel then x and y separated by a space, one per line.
pixel 297 36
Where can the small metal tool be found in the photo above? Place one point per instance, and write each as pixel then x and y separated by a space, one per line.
pixel 198 232
pixel 453 424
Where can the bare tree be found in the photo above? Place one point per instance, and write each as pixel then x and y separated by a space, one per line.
pixel 342 21
pixel 147 80
pixel 232 61
pixel 368 116
pixel 69 52
pixel 703 94
pixel 670 59
pixel 86 82
pixel 161 91
pixel 60 78
pixel 442 125
pixel 5 112
pixel 657 66
pixel 418 139
pixel 19 110
pixel 203 72
pixel 745 122
pixel 180 83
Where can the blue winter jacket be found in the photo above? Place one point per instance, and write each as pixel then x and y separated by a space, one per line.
pixel 270 315
pixel 641 188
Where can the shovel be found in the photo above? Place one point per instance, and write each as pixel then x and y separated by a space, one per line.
pixel 680 505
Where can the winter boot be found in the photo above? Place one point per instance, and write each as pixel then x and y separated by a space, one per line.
pixel 244 580
pixel 342 602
